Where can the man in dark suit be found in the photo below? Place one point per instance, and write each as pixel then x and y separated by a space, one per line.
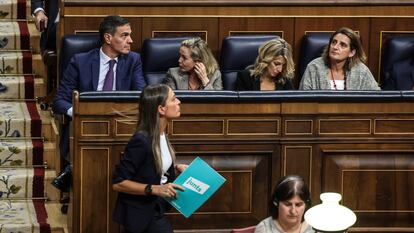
pixel 401 76
pixel 45 15
pixel 108 68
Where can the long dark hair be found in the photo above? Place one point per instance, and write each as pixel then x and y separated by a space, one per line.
pixel 287 188
pixel 149 119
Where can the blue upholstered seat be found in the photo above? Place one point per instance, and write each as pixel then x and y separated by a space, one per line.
pixel 312 47
pixel 237 52
pixel 158 55
pixel 76 43
pixel 396 48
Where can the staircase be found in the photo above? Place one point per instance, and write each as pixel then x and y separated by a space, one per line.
pixel 28 135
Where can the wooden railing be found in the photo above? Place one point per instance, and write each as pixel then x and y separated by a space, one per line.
pixel 359 144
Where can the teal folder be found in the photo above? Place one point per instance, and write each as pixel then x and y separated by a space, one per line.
pixel 200 182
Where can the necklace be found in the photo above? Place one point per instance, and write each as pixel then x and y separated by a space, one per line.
pixel 333 80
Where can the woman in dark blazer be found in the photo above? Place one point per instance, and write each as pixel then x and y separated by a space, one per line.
pixel 146 169
pixel 273 69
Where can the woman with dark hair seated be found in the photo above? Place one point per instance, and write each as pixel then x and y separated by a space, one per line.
pixel 341 66
pixel 273 69
pixel 290 200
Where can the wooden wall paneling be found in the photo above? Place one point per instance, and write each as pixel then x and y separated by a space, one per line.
pixel 357 126
pixel 374 183
pixel 392 126
pixel 381 28
pixel 251 8
pixel 183 26
pixel 297 160
pixel 117 152
pixel 329 24
pixel 94 188
pixel 303 126
pixel 75 25
pixel 370 163
pixel 243 198
pixel 282 26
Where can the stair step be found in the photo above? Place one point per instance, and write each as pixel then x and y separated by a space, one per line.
pixel 38 66
pixel 18 183
pixel 27 216
pixel 16 62
pixel 39 87
pixel 21 152
pixel 57 221
pixel 52 193
pixel 17 86
pixel 11 11
pixel 22 183
pixel 19 119
pixel 50 156
pixel 19 35
pixel 34 37
pixel 50 131
pixel 21 62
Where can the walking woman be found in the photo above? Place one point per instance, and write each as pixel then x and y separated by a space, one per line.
pixel 147 167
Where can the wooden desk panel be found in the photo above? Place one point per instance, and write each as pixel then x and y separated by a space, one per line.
pixel 365 154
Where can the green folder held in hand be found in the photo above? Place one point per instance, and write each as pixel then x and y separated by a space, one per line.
pixel 200 182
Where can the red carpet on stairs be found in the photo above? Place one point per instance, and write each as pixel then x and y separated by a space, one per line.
pixel 36 122
pixel 22 177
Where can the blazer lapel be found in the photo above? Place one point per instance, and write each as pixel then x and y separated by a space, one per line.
pixel 119 73
pixel 412 76
pixel 182 83
pixel 95 70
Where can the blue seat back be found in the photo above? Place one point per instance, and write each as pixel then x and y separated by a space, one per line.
pixel 237 52
pixel 396 48
pixel 76 43
pixel 158 55
pixel 312 47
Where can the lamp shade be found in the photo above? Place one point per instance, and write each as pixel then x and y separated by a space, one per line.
pixel 330 215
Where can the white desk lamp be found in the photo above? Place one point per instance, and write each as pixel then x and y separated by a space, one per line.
pixel 330 216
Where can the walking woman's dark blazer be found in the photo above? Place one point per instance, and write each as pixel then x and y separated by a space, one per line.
pixel 245 82
pixel 135 212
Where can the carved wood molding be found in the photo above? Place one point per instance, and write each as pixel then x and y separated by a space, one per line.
pixel 240 2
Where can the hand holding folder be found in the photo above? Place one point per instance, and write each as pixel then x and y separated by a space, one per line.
pixel 200 182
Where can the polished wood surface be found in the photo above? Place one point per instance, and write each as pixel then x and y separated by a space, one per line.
pixel 243 2
pixel 363 150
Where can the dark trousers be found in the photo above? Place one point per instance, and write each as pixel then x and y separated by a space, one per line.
pixel 157 225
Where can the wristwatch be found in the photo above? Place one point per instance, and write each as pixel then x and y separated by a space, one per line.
pixel 148 189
